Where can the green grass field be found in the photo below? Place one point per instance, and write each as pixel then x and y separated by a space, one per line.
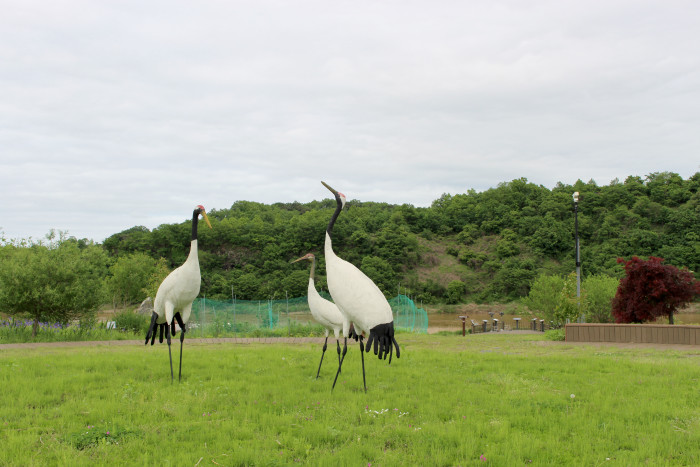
pixel 480 400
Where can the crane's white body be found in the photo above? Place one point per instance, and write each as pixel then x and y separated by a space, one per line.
pixel 177 292
pixel 324 311
pixel 357 297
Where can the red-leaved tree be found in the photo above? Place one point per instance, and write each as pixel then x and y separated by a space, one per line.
pixel 651 289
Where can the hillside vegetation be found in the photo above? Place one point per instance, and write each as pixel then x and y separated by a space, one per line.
pixel 475 246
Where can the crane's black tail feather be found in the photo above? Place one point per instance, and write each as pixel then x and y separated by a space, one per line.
pixel 152 328
pixel 180 323
pixel 382 336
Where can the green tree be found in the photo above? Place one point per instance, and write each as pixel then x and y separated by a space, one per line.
pixel 56 282
pixel 380 271
pixel 296 283
pixel 512 280
pixel 130 278
pixel 552 237
pixel 570 306
pixel 598 291
pixel 247 286
pixel 158 274
pixel 455 291
pixel 545 295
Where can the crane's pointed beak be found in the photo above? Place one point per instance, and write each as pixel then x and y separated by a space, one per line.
pixel 206 218
pixel 301 259
pixel 331 189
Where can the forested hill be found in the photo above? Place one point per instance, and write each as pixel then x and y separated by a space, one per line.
pixel 495 242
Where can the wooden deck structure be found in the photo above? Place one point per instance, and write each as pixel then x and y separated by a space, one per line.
pixel 641 333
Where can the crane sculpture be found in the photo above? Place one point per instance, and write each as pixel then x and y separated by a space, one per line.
pixel 175 295
pixel 323 311
pixel 359 300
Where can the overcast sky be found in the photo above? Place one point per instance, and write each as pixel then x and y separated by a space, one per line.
pixel 122 113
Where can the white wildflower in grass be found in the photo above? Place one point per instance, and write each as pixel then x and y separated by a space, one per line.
pixel 374 413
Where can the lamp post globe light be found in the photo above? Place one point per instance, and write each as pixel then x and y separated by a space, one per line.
pixel 578 257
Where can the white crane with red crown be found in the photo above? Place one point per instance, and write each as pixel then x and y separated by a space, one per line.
pixel 175 295
pixel 324 311
pixel 359 300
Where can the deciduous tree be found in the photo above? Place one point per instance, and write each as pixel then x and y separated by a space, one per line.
pixel 598 292
pixel 651 289
pixel 130 277
pixel 545 295
pixel 57 282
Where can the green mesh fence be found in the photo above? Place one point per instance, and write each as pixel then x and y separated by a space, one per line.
pixel 248 315
pixel 407 316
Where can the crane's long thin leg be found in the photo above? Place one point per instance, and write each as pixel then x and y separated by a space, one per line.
pixel 362 353
pixel 182 340
pixel 391 352
pixel 338 344
pixel 183 330
pixel 340 364
pixel 325 346
pixel 167 337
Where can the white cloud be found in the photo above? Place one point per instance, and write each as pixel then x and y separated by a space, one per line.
pixel 117 114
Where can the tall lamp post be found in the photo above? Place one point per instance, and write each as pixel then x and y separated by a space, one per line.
pixel 578 257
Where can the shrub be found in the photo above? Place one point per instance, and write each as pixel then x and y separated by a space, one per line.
pixel 130 321
pixel 555 335
pixel 506 248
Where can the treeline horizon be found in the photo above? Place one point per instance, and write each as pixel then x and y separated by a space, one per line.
pixel 475 246
pixel 498 240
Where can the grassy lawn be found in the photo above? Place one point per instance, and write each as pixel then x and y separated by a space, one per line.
pixel 480 400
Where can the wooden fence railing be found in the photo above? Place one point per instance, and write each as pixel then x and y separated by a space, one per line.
pixel 641 333
pixel 495 325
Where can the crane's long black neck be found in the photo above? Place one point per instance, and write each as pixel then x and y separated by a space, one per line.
pixel 195 220
pixel 338 208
